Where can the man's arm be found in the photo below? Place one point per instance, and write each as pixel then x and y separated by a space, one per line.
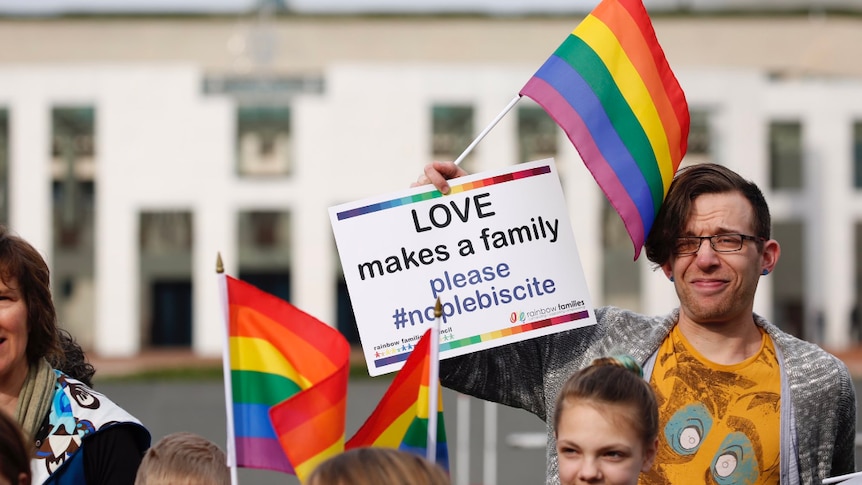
pixel 844 456
pixel 511 374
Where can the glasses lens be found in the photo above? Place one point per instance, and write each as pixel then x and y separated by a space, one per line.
pixel 727 242
pixel 687 245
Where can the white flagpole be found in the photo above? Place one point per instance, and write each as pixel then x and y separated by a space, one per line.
pixel 487 129
pixel 462 475
pixel 433 384
pixel 228 387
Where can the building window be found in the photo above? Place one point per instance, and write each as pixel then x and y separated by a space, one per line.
pixel 857 154
pixel 73 159
pixel 166 241
pixel 264 251
pixel 537 134
pixel 345 318
pixel 788 280
pixel 73 190
pixel 785 154
pixel 4 166
pixel 856 311
pixel 263 140
pixel 621 279
pixel 700 138
pixel 451 133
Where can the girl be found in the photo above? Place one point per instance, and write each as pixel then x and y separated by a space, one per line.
pixel 606 424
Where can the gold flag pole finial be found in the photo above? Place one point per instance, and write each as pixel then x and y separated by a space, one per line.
pixel 438 309
pixel 219 264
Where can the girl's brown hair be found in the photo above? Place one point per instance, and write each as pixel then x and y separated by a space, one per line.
pixel 613 380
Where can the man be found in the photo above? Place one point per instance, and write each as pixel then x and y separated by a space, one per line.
pixel 739 400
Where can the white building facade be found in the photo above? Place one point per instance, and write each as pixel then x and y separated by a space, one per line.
pixel 178 154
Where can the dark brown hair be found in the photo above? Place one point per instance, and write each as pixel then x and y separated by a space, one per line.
pixel 377 466
pixel 613 380
pixel 19 261
pixel 690 183
pixel 14 458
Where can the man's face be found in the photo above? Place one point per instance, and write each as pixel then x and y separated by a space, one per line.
pixel 719 287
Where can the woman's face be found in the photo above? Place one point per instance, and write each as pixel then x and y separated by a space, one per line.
pixel 13 333
pixel 600 447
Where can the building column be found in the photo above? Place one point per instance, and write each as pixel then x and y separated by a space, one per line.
pixel 830 252
pixel 29 177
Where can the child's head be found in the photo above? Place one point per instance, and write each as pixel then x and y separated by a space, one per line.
pixel 14 458
pixel 377 466
pixel 183 459
pixel 606 423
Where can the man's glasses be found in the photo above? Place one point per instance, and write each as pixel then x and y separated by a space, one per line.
pixel 721 243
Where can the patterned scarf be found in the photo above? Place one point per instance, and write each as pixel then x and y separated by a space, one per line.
pixel 34 401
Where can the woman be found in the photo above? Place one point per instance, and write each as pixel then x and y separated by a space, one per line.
pixel 606 424
pixel 79 435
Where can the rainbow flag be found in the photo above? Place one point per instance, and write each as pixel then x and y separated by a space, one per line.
pixel 610 88
pixel 401 419
pixel 289 376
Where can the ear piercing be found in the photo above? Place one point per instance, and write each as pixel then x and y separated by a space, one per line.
pixel 764 272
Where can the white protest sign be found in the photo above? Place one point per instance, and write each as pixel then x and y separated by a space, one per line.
pixel 498 251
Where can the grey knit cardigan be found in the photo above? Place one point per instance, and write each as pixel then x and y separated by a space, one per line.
pixel 818 420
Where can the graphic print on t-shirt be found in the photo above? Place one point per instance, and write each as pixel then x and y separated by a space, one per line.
pixel 718 424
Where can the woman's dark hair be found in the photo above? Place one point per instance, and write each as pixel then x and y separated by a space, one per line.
pixel 20 262
pixel 690 183
pixel 72 361
pixel 613 380
pixel 14 458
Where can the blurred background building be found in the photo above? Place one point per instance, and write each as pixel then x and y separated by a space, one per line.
pixel 139 140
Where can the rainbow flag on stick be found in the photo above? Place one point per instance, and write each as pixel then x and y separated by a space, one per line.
pixel 288 374
pixel 610 88
pixel 401 419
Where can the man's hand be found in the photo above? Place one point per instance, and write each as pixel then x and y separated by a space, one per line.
pixel 437 173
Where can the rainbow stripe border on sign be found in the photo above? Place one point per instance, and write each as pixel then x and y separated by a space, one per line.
pixel 485 337
pixel 434 194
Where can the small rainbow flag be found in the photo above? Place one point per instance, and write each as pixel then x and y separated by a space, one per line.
pixel 610 88
pixel 288 374
pixel 401 419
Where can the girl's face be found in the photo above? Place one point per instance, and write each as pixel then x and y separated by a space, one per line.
pixel 601 447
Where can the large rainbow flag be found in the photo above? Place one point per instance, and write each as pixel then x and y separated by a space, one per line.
pixel 610 88
pixel 401 419
pixel 288 373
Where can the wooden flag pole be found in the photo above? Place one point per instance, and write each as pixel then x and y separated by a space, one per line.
pixel 487 129
pixel 433 384
pixel 228 393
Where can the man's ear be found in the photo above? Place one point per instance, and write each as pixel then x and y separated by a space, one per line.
pixel 771 253
pixel 667 270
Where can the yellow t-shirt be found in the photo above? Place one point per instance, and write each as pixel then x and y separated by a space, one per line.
pixel 717 423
